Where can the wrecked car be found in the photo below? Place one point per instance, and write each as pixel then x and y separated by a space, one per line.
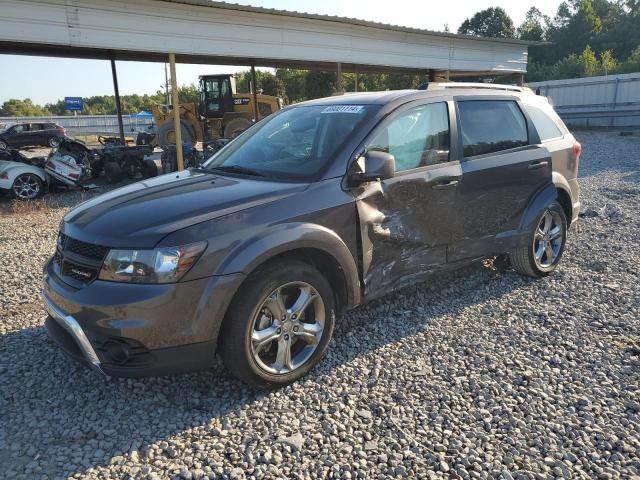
pixel 318 208
pixel 70 163
pixel 22 177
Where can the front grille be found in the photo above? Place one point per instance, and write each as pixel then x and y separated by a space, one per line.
pixel 78 263
pixel 84 249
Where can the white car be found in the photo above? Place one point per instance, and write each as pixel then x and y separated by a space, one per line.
pixel 23 181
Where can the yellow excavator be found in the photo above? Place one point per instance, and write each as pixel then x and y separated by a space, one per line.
pixel 220 113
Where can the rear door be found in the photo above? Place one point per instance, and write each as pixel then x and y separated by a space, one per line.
pixel 503 167
pixel 406 220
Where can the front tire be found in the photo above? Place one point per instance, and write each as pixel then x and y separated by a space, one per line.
pixel 279 324
pixel 545 245
pixel 3 145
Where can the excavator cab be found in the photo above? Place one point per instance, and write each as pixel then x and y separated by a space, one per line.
pixel 216 95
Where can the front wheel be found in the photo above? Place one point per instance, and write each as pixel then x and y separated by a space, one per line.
pixel 279 325
pixel 546 244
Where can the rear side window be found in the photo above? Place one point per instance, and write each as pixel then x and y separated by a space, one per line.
pixel 416 138
pixel 546 127
pixel 491 126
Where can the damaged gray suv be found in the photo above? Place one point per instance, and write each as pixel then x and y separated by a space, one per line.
pixel 309 213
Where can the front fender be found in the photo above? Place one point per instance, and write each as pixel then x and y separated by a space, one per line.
pixel 281 238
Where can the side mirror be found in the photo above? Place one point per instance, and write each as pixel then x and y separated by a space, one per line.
pixel 376 165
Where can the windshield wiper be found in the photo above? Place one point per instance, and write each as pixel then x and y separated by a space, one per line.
pixel 202 170
pixel 237 169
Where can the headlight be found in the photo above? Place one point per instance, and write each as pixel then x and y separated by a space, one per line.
pixel 161 265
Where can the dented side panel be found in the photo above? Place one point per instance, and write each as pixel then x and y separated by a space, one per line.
pixel 405 225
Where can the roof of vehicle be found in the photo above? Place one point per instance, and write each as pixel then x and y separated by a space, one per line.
pixel 430 90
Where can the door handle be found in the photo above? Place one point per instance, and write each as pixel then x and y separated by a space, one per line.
pixel 445 184
pixel 538 164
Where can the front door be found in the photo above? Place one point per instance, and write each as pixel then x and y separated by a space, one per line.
pixel 502 169
pixel 406 220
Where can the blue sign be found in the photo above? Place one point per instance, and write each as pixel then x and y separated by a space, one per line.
pixel 73 103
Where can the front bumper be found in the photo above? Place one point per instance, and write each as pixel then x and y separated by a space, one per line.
pixel 138 330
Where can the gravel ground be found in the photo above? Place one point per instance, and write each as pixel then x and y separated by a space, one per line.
pixel 477 375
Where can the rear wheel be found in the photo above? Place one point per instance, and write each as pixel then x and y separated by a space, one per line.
pixel 112 172
pixel 27 186
pixel 54 142
pixel 546 244
pixel 279 325
pixel 236 126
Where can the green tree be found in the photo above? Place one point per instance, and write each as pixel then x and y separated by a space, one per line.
pixel 608 62
pixel 22 108
pixel 491 22
pixel 294 84
pixel 534 26
pixel 589 63
pixel 320 84
pixel 631 64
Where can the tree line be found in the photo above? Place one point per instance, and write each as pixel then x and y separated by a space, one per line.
pixel 586 38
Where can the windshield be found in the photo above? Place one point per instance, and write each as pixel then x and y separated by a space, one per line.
pixel 296 144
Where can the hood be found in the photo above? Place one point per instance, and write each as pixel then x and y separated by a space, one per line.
pixel 141 214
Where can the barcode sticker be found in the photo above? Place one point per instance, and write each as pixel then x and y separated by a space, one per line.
pixel 343 109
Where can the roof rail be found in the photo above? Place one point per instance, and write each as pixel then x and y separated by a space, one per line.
pixel 487 86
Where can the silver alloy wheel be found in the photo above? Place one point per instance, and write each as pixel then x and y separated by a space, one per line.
pixel 26 186
pixel 54 142
pixel 288 328
pixel 548 238
pixel 3 145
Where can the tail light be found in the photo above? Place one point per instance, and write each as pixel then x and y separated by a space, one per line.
pixel 577 150
pixel 4 176
pixel 61 130
pixel 74 175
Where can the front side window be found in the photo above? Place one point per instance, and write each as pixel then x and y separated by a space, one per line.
pixel 490 126
pixel 416 138
pixel 545 126
pixel 295 144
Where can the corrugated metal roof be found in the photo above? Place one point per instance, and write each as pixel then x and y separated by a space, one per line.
pixel 347 20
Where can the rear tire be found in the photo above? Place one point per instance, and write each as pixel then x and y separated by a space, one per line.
pixel 236 126
pixel 27 186
pixel 112 172
pixel 543 251
pixel 54 142
pixel 264 323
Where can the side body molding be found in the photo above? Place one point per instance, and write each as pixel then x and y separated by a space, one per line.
pixel 281 238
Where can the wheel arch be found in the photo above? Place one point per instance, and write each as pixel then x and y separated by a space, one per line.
pixel 545 196
pixel 310 243
pixel 564 196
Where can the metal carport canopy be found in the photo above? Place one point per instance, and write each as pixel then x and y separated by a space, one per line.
pixel 201 31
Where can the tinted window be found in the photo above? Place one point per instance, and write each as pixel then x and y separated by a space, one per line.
pixel 417 137
pixel 491 126
pixel 294 144
pixel 545 126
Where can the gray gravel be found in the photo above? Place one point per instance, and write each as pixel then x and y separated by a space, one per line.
pixel 477 375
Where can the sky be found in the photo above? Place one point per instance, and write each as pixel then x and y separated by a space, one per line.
pixel 46 79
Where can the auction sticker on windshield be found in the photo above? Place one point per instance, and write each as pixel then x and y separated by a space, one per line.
pixel 343 109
